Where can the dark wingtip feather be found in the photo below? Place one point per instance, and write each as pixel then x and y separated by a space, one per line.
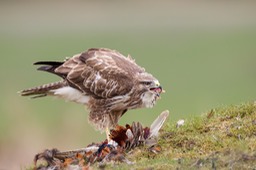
pixel 49 66
pixel 51 63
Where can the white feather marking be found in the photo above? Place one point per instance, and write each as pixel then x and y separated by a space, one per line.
pixel 129 134
pixel 99 62
pixel 148 99
pixel 97 76
pixel 71 94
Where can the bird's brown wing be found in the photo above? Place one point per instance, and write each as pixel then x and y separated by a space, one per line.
pixel 102 73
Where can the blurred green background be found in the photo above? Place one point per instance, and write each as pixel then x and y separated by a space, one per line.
pixel 202 52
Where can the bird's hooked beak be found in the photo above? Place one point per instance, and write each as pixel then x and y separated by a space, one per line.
pixel 156 87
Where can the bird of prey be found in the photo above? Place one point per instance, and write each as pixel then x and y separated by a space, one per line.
pixel 105 80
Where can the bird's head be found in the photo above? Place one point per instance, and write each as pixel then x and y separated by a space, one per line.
pixel 151 90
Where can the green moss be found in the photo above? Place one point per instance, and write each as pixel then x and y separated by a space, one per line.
pixel 221 138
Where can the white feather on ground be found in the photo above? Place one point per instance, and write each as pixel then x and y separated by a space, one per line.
pixel 158 123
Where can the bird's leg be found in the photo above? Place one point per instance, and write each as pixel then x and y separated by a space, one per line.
pixel 112 121
pixel 108 133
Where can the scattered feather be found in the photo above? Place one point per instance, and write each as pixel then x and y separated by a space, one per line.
pixel 122 140
pixel 180 123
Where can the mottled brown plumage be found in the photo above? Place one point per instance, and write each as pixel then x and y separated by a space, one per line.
pixel 104 80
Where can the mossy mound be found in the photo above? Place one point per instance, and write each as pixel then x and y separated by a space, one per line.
pixel 222 138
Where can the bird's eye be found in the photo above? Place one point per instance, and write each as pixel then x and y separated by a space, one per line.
pixel 146 82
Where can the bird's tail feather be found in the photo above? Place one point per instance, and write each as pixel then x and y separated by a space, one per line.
pixel 43 90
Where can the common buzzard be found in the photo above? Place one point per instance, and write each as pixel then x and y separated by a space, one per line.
pixel 105 80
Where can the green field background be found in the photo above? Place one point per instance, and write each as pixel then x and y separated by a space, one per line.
pixel 203 54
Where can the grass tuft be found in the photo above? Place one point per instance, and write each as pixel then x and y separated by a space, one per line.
pixel 221 138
